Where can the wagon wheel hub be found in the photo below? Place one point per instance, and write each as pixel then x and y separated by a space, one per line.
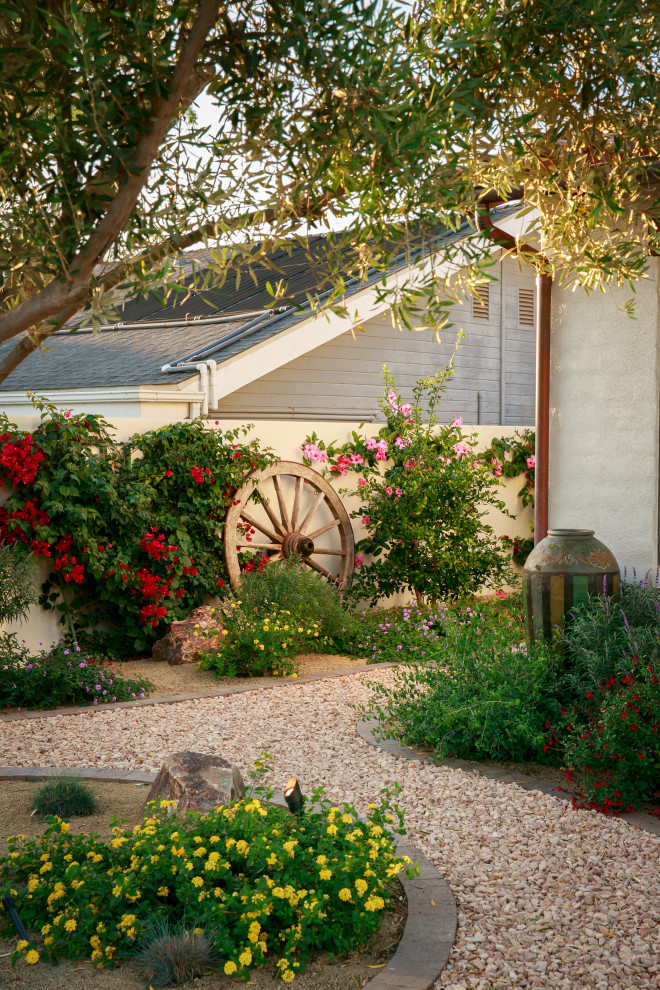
pixel 297 545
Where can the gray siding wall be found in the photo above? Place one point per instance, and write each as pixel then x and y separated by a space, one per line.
pixel 343 378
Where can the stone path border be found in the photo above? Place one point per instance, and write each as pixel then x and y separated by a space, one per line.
pixel 175 698
pixel 432 919
pixel 647 823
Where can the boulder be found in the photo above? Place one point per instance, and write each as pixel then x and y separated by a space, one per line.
pixel 197 782
pixel 181 645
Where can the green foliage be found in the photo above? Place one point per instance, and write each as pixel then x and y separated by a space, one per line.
pixel 134 530
pixel 408 633
pixel 18 582
pixel 607 728
pixel 256 879
pixel 424 496
pixel 67 797
pixel 256 645
pixel 174 953
pixel 66 675
pixel 477 694
pixel 306 595
pixel 511 457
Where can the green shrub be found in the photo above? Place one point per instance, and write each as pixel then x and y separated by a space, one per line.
pixel 256 879
pixel 257 644
pixel 67 797
pixel 607 726
pixel 65 675
pixel 405 633
pixel 476 694
pixel 310 599
pixel 424 495
pixel 174 953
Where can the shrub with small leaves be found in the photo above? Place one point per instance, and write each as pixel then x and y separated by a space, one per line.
pixel 65 675
pixel 258 644
pixel 66 797
pixel 174 953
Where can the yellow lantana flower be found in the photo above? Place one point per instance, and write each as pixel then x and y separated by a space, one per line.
pixel 230 967
pixel 32 957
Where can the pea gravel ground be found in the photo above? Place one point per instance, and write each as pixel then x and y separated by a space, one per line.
pixel 548 897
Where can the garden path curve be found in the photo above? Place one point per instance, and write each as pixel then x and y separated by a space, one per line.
pixel 547 896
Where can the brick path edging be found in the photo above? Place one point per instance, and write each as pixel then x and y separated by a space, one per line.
pixel 432 919
pixel 365 729
pixel 200 695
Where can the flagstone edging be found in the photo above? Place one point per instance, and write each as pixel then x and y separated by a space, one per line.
pixel 432 919
pixel 365 729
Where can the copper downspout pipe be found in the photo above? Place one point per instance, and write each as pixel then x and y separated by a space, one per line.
pixel 485 224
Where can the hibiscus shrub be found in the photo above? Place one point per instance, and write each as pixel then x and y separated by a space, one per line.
pixel 258 882
pixel 424 494
pixel 133 530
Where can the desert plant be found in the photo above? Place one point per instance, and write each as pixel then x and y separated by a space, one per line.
pixel 173 953
pixel 66 797
pixel 18 581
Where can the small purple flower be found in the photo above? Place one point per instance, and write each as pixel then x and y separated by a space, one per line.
pixel 97 687
pixel 66 653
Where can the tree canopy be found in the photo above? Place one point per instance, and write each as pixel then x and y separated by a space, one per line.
pixel 387 121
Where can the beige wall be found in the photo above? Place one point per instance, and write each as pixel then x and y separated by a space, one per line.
pixel 285 438
pixel 604 419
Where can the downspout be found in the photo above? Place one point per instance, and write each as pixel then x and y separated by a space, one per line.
pixel 485 225
pixel 202 368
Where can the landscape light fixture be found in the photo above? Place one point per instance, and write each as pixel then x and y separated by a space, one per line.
pixel 10 908
pixel 294 796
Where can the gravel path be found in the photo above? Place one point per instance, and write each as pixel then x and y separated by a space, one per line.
pixel 548 897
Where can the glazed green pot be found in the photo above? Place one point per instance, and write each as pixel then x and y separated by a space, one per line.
pixel 561 571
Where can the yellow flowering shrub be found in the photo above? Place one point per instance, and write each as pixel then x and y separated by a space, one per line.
pixel 261 643
pixel 279 884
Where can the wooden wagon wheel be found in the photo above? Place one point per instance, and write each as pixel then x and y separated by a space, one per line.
pixel 317 524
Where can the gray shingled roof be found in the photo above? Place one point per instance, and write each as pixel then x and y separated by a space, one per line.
pixel 135 356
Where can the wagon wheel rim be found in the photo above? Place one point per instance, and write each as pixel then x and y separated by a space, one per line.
pixel 284 530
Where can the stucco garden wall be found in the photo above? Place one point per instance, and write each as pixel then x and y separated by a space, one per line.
pixel 285 438
pixel 604 419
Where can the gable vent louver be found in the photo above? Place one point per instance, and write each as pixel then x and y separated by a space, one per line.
pixel 481 303
pixel 526 307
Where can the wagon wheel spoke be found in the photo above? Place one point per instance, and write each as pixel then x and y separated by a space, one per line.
pixel 321 570
pixel 296 503
pixel 318 498
pixel 276 556
pixel 324 529
pixel 267 546
pixel 260 526
pixel 280 500
pixel 271 515
pixel 334 553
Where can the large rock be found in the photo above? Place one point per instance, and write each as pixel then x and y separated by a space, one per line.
pixel 197 782
pixel 181 645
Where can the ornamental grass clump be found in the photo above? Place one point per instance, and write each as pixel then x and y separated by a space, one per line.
pixel 67 797
pixel 172 954
pixel 258 881
pixel 256 644
pixel 67 675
